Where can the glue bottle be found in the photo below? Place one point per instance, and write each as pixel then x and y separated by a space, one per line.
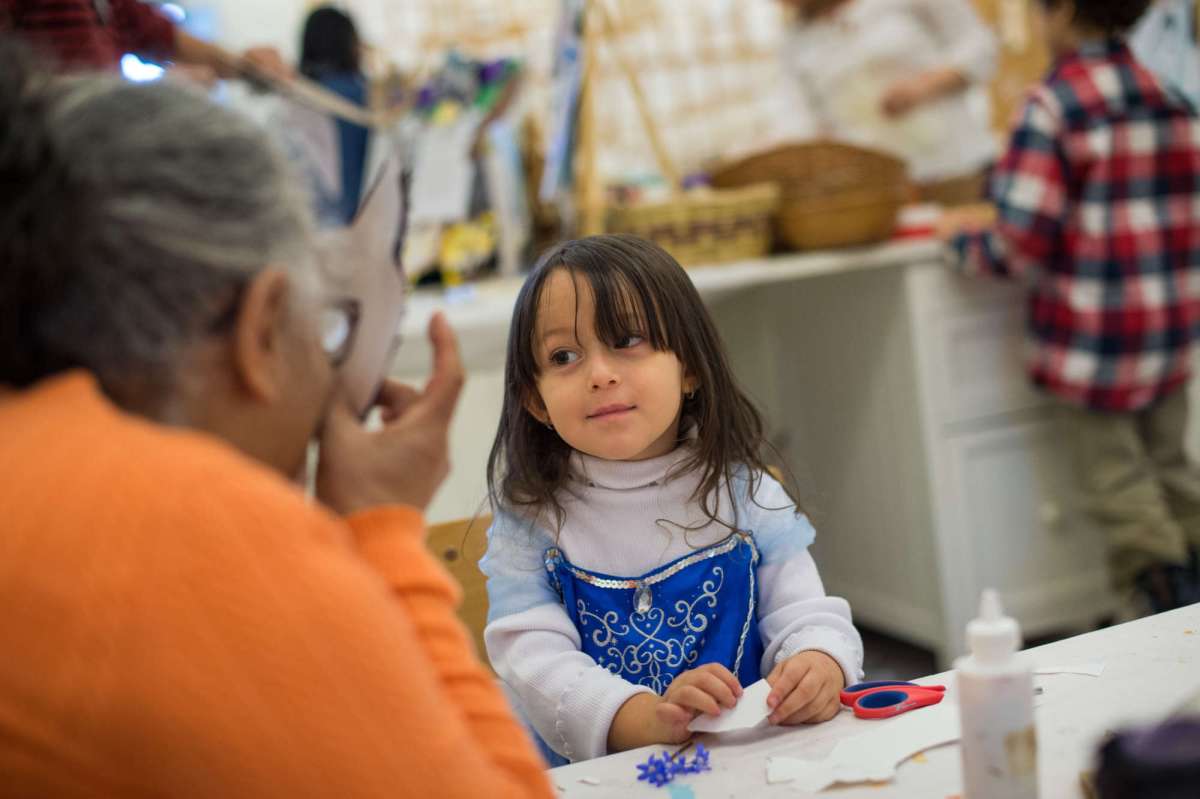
pixel 995 693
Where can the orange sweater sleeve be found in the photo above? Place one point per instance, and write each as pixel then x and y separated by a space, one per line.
pixel 275 662
pixel 430 595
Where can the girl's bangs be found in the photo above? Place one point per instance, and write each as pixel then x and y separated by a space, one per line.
pixel 624 307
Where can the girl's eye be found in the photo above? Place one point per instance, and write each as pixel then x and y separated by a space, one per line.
pixel 563 357
pixel 625 342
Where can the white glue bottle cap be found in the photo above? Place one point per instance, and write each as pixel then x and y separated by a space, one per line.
pixel 993 637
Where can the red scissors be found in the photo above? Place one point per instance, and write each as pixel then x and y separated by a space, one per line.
pixel 883 699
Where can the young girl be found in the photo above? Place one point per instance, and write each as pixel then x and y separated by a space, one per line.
pixel 642 566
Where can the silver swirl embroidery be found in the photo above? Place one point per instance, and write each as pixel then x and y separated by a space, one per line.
pixel 698 622
pixel 656 656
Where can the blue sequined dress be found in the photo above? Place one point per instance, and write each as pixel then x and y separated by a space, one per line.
pixel 695 610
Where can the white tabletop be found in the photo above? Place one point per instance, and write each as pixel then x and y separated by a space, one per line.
pixel 1151 666
pixel 480 313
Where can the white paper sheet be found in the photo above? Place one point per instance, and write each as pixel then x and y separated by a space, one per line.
pixel 750 711
pixel 874 755
pixel 444 171
pixel 1094 669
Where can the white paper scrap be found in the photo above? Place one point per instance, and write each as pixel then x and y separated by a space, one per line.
pixel 1094 669
pixel 750 711
pixel 874 755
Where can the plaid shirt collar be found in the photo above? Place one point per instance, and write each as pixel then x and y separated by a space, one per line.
pixel 1111 48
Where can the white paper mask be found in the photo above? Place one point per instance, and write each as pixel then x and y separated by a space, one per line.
pixel 364 277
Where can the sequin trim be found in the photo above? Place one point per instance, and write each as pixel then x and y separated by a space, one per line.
pixel 553 556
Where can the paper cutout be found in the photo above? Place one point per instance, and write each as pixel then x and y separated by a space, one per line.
pixel 750 711
pixel 874 755
pixel 362 267
pixel 444 171
pixel 1094 669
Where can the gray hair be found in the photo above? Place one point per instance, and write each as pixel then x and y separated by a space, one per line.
pixel 171 205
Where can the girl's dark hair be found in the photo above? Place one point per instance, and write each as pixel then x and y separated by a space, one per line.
pixel 1109 16
pixel 329 44
pixel 640 288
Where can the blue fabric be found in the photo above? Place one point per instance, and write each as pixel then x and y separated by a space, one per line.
pixel 352 140
pixel 648 629
pixel 781 532
pixel 516 578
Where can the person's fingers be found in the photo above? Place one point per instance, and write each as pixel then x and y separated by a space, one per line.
pixel 675 718
pixel 788 675
pixel 268 60
pixel 690 696
pixel 832 708
pixel 446 382
pixel 712 685
pixel 799 701
pixel 394 400
pixel 724 675
pixel 814 714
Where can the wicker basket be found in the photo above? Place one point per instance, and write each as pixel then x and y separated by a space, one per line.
pixel 704 226
pixel 832 194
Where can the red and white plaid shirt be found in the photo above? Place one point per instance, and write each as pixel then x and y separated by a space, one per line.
pixel 1098 202
pixel 89 34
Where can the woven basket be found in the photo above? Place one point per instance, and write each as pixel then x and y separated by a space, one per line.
pixel 832 194
pixel 704 226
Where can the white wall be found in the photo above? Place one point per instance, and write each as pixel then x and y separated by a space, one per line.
pixel 244 23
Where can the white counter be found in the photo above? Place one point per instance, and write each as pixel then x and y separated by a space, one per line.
pixel 482 317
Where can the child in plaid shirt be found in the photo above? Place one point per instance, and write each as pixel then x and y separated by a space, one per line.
pixel 1097 209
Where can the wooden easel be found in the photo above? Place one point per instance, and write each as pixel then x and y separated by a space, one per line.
pixel 599 28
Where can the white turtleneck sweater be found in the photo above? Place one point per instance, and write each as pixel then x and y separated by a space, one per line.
pixel 613 525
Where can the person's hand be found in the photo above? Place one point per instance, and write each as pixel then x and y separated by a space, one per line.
pixel 965 219
pixel 709 689
pixel 910 93
pixel 406 461
pixel 905 95
pixel 198 74
pixel 805 688
pixel 266 61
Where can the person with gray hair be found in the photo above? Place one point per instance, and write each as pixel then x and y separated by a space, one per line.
pixel 180 620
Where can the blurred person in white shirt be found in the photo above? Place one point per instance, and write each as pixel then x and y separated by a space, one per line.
pixel 902 76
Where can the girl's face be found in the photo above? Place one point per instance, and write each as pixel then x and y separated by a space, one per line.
pixel 614 402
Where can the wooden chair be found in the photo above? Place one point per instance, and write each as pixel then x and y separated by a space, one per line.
pixel 459 545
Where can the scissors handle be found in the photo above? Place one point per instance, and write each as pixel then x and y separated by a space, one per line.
pixel 851 693
pixel 887 698
pixel 885 703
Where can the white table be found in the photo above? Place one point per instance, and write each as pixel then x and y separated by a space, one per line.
pixel 1151 667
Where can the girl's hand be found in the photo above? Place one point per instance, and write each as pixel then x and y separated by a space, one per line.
pixel 708 689
pixel 804 689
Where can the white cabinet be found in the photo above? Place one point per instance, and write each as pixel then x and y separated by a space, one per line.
pixel 1013 525
pixel 930 467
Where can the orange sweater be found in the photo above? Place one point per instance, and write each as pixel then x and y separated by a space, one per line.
pixel 176 620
